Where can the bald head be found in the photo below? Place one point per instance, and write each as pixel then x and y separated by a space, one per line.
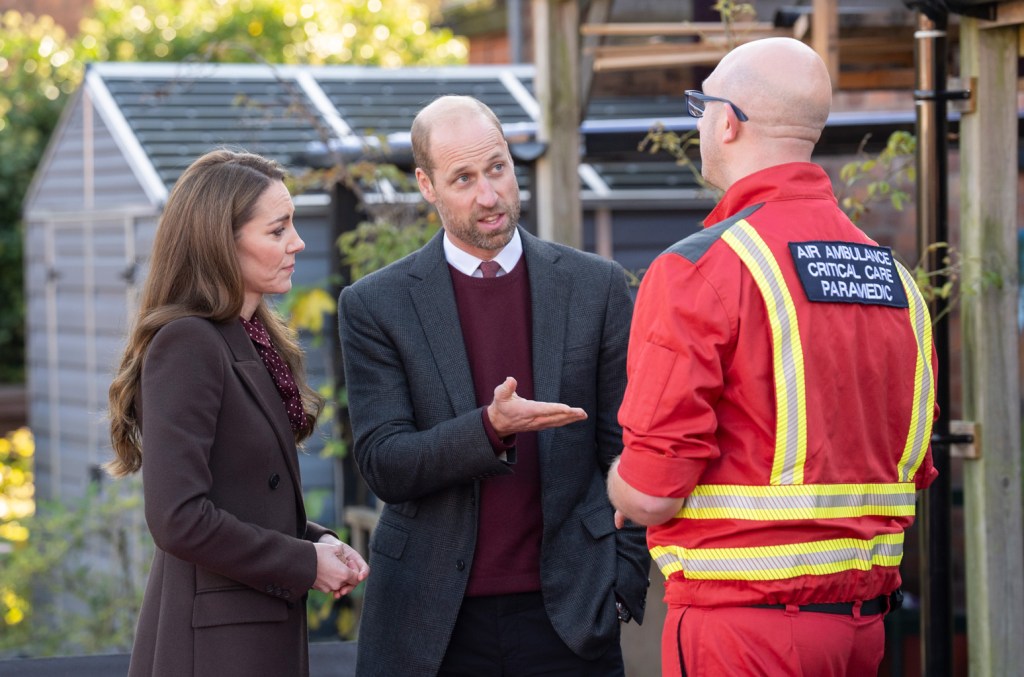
pixel 445 110
pixel 781 84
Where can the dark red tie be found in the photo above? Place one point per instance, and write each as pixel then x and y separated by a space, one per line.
pixel 490 268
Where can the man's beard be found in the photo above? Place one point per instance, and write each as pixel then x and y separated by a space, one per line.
pixel 467 231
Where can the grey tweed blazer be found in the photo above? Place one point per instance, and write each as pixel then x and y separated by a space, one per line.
pixel 421 446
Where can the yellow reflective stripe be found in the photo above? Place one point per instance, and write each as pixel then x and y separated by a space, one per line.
pixel 787 353
pixel 779 562
pixel 798 501
pixel 919 435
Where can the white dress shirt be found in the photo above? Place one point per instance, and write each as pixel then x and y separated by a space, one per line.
pixel 468 264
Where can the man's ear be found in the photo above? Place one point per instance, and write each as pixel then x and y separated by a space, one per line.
pixel 426 186
pixel 730 125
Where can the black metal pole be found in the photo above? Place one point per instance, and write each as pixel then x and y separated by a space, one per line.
pixel 933 227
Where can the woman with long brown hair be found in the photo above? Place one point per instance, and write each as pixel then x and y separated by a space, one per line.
pixel 210 401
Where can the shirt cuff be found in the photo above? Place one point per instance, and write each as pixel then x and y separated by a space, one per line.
pixel 504 447
pixel 659 475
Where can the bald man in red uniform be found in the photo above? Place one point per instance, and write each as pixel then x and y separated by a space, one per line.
pixel 780 397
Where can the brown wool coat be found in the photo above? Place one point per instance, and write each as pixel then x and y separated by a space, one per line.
pixel 234 559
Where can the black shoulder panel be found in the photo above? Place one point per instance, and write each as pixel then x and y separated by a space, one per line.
pixel 696 245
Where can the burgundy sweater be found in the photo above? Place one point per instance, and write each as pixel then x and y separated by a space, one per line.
pixel 496 328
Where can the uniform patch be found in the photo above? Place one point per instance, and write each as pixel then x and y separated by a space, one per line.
pixel 848 272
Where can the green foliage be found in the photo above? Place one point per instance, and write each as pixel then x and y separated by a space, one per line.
pixel 335 618
pixel 17 488
pixel 317 32
pixel 948 282
pixel 37 71
pixel 681 147
pixel 374 244
pixel 939 273
pixel 64 605
pixel 731 12
pixel 882 177
pixel 336 401
pixel 40 65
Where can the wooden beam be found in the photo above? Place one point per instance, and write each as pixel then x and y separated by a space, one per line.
pixel 639 62
pixel 1007 14
pixel 825 35
pixel 658 48
pixel 993 525
pixel 678 29
pixel 556 57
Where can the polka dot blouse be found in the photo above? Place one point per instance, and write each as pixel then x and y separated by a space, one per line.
pixel 279 372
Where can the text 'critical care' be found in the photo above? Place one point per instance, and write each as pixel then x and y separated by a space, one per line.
pixel 848 272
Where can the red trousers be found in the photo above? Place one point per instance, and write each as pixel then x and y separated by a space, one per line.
pixel 751 641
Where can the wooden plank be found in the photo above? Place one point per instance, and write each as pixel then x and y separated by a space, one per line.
pixel 658 60
pixel 993 527
pixel 1007 14
pixel 683 28
pixel 642 48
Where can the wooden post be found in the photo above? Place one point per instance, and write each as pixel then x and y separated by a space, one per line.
pixel 556 57
pixel 598 12
pixel 992 483
pixel 825 35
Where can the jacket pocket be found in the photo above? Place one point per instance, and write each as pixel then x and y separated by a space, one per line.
pixel 389 540
pixel 231 606
pixel 599 521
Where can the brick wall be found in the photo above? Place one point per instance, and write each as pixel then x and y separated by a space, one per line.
pixel 66 13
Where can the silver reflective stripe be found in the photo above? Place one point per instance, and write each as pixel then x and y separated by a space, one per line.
pixel 780 562
pixel 798 502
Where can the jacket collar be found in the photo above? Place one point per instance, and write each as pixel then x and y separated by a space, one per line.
pixel 790 181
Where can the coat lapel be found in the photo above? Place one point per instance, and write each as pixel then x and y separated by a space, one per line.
pixel 434 300
pixel 550 287
pixel 253 373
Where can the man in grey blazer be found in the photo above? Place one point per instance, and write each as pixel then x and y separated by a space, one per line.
pixel 484 376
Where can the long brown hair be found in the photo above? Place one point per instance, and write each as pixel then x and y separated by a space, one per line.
pixel 194 271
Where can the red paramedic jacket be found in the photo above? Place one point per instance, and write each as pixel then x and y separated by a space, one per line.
pixel 797 429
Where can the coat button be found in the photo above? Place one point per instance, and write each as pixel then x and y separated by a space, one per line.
pixel 460 565
pixel 275 479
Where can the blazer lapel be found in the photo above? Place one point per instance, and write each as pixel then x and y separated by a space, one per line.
pixel 549 297
pixel 253 373
pixel 434 300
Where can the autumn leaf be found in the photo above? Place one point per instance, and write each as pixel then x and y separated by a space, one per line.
pixel 308 310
